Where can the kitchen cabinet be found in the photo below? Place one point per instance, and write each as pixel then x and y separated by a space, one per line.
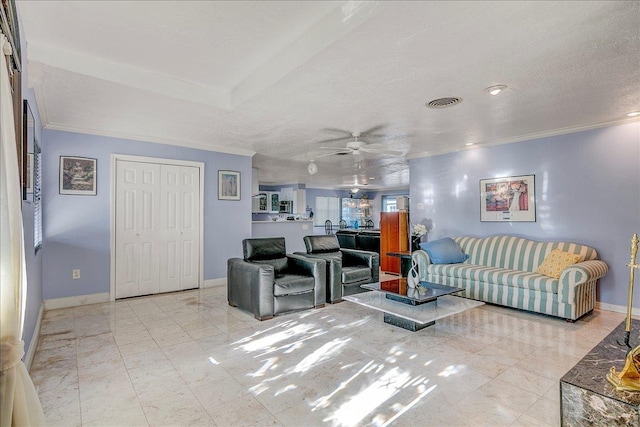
pixel 273 202
pixel 266 202
pixel 259 203
pixel 296 196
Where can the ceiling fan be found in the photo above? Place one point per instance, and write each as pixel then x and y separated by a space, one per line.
pixel 357 147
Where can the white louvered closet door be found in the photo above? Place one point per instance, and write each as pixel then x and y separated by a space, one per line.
pixel 137 228
pixel 179 210
pixel 157 228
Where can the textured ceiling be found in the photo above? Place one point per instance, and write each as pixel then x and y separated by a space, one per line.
pixel 277 78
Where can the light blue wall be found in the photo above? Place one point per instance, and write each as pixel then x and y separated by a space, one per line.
pixel 587 191
pixel 76 228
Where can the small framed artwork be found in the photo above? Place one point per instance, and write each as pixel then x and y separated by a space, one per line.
pixel 509 199
pixel 228 185
pixel 30 164
pixel 78 176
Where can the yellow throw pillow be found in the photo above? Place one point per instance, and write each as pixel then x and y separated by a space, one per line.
pixel 557 261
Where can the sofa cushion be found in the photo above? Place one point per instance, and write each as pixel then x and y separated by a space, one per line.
pixel 355 274
pixel 557 261
pixel 444 251
pixel 500 276
pixel 293 284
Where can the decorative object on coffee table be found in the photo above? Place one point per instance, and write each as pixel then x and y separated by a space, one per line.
pixel 413 277
pixel 629 378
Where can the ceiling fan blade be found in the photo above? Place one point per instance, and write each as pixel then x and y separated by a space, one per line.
pixel 326 155
pixel 346 132
pixel 372 130
pixel 342 138
pixel 347 150
pixel 380 151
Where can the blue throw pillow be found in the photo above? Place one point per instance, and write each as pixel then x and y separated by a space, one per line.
pixel 444 251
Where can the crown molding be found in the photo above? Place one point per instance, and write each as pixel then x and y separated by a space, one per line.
pixel 528 137
pixel 145 138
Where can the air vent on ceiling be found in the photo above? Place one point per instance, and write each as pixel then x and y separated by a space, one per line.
pixel 443 102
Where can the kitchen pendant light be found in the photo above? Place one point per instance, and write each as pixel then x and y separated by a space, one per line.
pixel 312 168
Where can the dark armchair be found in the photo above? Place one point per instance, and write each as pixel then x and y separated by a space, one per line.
pixel 268 282
pixel 347 269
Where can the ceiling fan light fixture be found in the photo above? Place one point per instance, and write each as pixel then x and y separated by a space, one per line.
pixel 354 190
pixel 495 89
pixel 312 168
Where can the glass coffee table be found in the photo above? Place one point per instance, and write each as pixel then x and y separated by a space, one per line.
pixel 412 309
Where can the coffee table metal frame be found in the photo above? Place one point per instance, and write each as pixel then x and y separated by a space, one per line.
pixel 416 310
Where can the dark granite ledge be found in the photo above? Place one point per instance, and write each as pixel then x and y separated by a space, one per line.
pixel 590 373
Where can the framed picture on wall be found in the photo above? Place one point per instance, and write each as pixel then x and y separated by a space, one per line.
pixel 78 176
pixel 508 199
pixel 228 185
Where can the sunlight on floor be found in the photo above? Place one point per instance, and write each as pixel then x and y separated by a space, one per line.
pixel 449 370
pixel 356 397
pixel 323 353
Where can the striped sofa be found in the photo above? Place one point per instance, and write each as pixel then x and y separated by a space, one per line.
pixel 501 270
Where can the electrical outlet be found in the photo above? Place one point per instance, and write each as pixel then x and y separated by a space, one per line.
pixel 75 274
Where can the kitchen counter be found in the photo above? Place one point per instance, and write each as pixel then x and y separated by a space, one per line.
pixel 308 221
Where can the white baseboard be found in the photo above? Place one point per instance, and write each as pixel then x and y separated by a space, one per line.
pixel 31 351
pixel 617 308
pixel 215 282
pixel 53 304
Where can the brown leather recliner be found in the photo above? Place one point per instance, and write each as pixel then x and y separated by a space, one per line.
pixel 268 281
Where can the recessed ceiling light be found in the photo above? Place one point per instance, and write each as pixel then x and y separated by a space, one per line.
pixel 633 114
pixel 371 177
pixel 469 144
pixel 494 90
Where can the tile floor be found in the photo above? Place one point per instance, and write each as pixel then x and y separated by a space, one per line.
pixel 189 359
